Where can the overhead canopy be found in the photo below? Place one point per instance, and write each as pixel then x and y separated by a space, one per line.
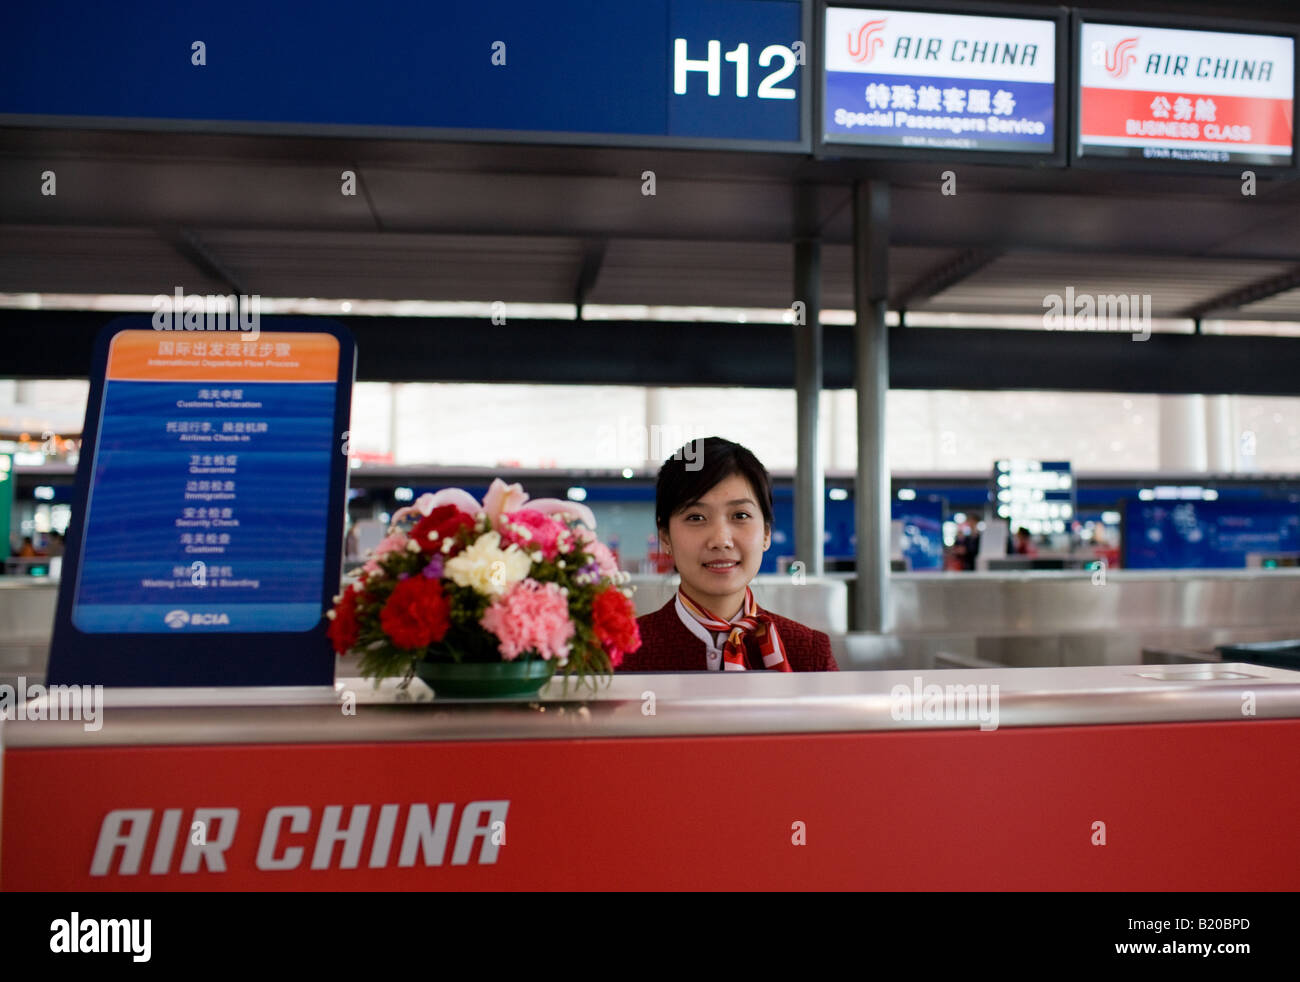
pixel 147 212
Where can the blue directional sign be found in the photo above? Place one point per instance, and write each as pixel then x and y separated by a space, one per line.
pixel 706 73
pixel 206 535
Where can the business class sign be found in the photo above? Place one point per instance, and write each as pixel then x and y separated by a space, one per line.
pixel 939 81
pixel 1162 94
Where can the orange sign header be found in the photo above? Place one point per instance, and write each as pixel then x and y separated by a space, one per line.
pixel 211 356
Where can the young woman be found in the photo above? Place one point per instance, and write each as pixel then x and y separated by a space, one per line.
pixel 713 509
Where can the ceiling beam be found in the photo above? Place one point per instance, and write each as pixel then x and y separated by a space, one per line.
pixel 59 344
pixel 946 274
pixel 1241 296
pixel 593 258
pixel 196 252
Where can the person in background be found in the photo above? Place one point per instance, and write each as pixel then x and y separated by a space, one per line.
pixel 1103 548
pixel 1025 543
pixel 715 522
pixel 28 551
pixel 54 544
pixel 968 547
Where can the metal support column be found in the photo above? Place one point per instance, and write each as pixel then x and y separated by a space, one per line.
pixel 809 474
pixel 871 610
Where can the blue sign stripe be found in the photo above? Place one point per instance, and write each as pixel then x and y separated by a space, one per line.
pixel 921 110
pixel 562 67
pixel 184 618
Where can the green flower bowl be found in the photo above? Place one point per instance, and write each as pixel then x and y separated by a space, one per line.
pixel 485 680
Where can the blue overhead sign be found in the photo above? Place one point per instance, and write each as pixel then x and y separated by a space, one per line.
pixel 701 73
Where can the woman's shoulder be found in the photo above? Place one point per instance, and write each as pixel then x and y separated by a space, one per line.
pixel 795 628
pixel 665 616
pixel 809 649
pixel 666 644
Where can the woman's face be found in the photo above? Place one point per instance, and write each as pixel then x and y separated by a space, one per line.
pixel 717 544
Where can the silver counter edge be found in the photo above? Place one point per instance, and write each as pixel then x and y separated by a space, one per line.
pixel 696 704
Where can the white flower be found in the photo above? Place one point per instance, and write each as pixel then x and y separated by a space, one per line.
pixel 330 614
pixel 537 557
pixel 559 563
pixel 487 568
pixel 412 546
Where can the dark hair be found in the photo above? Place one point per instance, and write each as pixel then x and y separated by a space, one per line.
pixel 690 473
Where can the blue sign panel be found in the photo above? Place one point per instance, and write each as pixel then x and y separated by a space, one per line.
pixel 724 73
pixel 905 79
pixel 922 531
pixel 1036 495
pixel 1208 534
pixel 922 541
pixel 205 542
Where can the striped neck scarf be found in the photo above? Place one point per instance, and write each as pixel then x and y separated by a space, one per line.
pixel 753 621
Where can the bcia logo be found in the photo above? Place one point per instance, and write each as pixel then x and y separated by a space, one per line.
pixel 177 619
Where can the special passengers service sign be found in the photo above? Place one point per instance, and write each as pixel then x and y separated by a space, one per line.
pixel 939 81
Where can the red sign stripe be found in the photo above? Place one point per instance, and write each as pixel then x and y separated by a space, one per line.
pixel 1106 113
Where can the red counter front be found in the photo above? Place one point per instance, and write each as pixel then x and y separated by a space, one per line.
pixel 1191 805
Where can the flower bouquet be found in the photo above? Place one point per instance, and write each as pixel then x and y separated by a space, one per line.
pixel 487 598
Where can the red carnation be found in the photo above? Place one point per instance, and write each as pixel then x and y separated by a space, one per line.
pixel 447 521
pixel 343 629
pixel 614 619
pixel 416 614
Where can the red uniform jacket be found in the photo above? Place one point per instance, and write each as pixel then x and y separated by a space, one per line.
pixel 667 645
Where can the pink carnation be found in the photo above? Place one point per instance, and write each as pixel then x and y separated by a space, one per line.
pixel 530 616
pixel 602 557
pixel 394 542
pixel 531 530
pixel 597 550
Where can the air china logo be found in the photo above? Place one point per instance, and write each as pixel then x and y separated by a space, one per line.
pixel 299 837
pixel 1121 58
pixel 177 619
pixel 868 41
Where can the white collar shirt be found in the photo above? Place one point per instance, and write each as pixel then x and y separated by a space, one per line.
pixel 713 641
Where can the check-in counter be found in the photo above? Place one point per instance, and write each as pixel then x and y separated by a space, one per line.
pixel 1100 778
pixel 1034 618
pixel 937 620
pixel 26 621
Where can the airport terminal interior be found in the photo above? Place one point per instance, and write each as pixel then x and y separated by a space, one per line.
pixel 566 312
pixel 357 370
